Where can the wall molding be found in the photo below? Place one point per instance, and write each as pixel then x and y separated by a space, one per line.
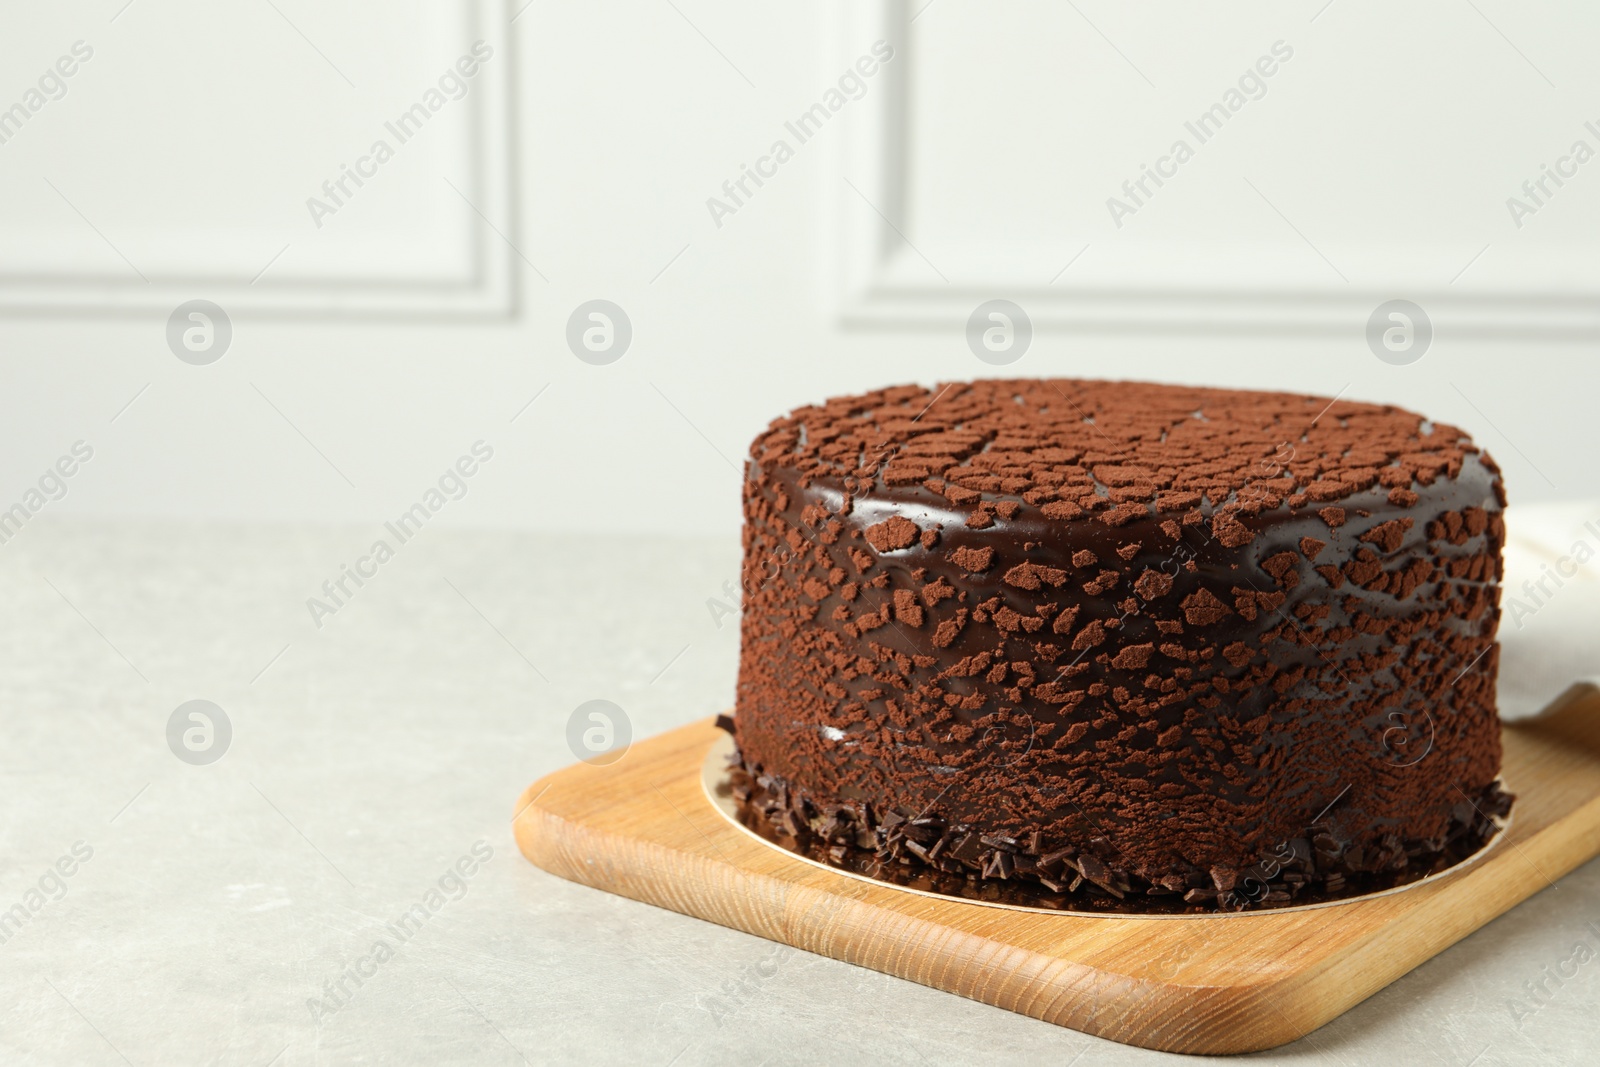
pixel 874 279
pixel 488 289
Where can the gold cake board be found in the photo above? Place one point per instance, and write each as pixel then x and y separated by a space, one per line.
pixel 644 828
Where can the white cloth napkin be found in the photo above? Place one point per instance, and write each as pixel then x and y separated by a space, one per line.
pixel 1550 633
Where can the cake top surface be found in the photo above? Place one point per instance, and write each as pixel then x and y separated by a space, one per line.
pixel 1115 451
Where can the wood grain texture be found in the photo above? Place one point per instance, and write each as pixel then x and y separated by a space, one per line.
pixel 643 828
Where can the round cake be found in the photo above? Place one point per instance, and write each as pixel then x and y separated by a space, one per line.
pixel 1128 646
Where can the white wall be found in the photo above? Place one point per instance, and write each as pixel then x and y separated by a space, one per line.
pixel 372 351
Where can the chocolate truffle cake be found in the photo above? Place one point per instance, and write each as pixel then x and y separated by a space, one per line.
pixel 1132 646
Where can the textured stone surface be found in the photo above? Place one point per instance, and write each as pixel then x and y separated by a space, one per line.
pixel 398 736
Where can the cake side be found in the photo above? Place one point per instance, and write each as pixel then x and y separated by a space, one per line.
pixel 1155 635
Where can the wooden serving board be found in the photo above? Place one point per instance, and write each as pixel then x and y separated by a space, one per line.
pixel 643 827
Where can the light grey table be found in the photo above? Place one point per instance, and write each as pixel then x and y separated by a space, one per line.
pixel 370 755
